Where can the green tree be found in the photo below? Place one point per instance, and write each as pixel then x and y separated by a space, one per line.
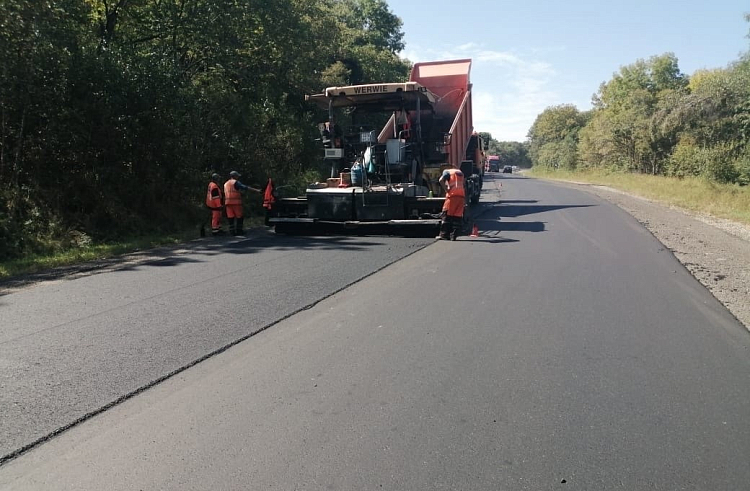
pixel 113 112
pixel 627 129
pixel 553 138
pixel 366 44
pixel 510 152
pixel 652 118
pixel 513 153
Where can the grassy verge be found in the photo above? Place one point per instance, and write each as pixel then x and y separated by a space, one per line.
pixel 720 200
pixel 34 263
pixel 40 262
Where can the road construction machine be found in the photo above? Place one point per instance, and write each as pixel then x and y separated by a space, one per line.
pixel 387 175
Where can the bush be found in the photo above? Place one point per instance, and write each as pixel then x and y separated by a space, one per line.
pixel 743 168
pixel 684 161
pixel 715 163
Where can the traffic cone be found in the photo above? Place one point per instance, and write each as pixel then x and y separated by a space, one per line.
pixel 474 231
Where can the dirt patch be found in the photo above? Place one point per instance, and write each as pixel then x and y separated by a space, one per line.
pixel 716 251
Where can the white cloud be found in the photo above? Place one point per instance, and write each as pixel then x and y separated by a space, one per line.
pixel 468 46
pixel 509 89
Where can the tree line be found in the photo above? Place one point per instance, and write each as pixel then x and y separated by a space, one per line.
pixel 114 113
pixel 652 118
pixel 509 152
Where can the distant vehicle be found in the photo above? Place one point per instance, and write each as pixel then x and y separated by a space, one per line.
pixel 507 170
pixel 493 163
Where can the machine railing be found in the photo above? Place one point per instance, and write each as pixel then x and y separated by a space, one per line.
pixel 388 130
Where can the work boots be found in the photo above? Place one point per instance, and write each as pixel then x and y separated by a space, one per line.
pixel 445 228
pixel 455 227
pixel 238 230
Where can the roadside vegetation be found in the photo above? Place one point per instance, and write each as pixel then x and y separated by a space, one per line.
pixel 510 153
pixel 113 114
pixel 78 247
pixel 730 201
pixel 659 132
pixel 87 251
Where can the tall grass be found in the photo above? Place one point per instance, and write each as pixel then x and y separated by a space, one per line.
pixel 729 201
pixel 74 255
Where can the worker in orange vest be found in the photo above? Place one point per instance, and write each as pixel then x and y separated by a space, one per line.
pixel 233 202
pixel 452 181
pixel 215 203
pixel 268 195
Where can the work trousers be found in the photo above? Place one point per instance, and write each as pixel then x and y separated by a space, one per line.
pixel 450 227
pixel 235 219
pixel 215 221
pixel 452 217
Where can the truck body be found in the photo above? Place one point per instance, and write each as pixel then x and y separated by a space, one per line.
pixel 493 163
pixel 388 174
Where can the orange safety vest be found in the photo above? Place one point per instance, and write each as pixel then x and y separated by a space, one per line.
pixel 455 183
pixel 268 198
pixel 231 195
pixel 213 201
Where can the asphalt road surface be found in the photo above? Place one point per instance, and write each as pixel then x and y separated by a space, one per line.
pixel 564 348
pixel 70 348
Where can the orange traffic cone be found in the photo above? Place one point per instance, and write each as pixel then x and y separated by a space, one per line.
pixel 474 231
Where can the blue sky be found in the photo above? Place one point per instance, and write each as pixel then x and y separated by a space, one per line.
pixel 530 54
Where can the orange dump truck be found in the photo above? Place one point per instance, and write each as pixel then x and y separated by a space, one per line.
pixel 387 174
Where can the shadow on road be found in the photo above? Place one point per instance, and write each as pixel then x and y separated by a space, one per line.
pixel 192 252
pixel 506 176
pixel 488 237
pixel 489 218
pixel 514 210
pixel 494 218
pixel 511 226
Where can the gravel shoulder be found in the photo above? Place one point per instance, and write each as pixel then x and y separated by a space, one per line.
pixel 716 251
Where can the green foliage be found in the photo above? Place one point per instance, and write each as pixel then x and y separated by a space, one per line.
pixel 651 118
pixel 487 139
pixel 364 43
pixel 114 113
pixel 694 193
pixel 510 153
pixel 370 23
pixel 628 129
pixel 742 166
pixel 553 138
pixel 715 163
